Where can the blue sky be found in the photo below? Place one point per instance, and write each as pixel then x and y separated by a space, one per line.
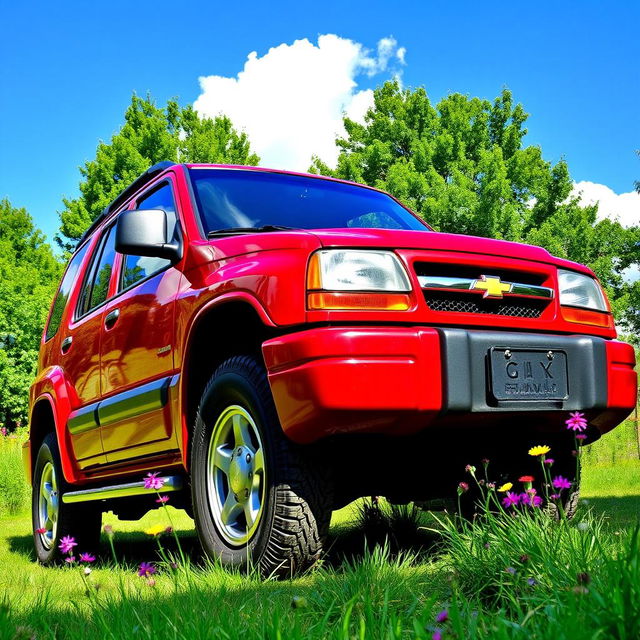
pixel 68 71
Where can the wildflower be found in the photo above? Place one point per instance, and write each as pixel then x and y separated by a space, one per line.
pixel 463 487
pixel 511 570
pixel 531 499
pixel 561 483
pixel 146 569
pixel 555 496
pixel 151 481
pixel 162 499
pixel 539 450
pixel 156 530
pixel 443 616
pixel 41 530
pixel 584 578
pixel 151 582
pixel 3 431
pixel 532 582
pixel 581 436
pixel 526 479
pixel 70 559
pixel 576 421
pixel 108 529
pixel 87 571
pixel 437 635
pixel 87 557
pixel 549 461
pixel 505 487
pixel 470 469
pixel 511 499
pixel 491 485
pixel 67 543
pixel 524 558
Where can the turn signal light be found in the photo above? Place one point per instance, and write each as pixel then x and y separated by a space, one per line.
pixel 322 300
pixel 585 316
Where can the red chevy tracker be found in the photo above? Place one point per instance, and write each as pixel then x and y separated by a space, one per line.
pixel 274 345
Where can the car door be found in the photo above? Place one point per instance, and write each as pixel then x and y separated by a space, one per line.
pixel 137 370
pixel 80 350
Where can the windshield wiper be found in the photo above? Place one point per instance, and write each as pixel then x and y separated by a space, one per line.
pixel 240 230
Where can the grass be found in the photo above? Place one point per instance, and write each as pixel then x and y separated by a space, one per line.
pixel 386 590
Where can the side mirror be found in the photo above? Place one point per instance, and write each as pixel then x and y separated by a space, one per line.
pixel 143 232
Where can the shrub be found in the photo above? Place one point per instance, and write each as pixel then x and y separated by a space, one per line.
pixel 14 490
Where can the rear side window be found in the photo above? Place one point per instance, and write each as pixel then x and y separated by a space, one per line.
pixel 137 268
pixel 62 297
pixel 96 285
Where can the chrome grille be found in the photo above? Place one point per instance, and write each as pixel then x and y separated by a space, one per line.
pixel 465 303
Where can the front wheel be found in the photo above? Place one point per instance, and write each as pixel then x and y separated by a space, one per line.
pixel 259 500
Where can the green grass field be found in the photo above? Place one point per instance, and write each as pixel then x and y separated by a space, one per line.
pixel 359 592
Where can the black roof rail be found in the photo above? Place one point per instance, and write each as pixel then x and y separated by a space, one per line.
pixel 137 184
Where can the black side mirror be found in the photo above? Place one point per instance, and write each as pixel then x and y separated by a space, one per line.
pixel 143 232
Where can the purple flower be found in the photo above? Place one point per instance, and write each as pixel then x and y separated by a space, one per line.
pixel 555 496
pixel 511 570
pixel 437 635
pixel 561 483
pixel 87 557
pixel 151 481
pixel 581 436
pixel 531 499
pixel 511 499
pixel 67 543
pixel 70 559
pixel 162 499
pixel 576 421
pixel 549 461
pixel 146 569
pixel 532 582
pixel 443 616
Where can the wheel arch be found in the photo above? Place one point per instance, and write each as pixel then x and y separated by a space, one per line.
pixel 233 325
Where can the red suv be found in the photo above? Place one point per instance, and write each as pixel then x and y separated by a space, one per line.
pixel 275 345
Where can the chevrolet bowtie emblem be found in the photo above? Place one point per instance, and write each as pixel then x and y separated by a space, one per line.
pixel 492 286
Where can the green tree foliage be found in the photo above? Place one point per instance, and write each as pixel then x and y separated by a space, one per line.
pixel 29 274
pixel 463 167
pixel 150 134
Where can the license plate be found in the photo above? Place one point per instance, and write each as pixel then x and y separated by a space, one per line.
pixel 519 374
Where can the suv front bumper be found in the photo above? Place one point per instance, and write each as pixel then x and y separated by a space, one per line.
pixel 400 380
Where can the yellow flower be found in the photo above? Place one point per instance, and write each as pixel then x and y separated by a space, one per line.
pixel 506 487
pixel 155 530
pixel 539 450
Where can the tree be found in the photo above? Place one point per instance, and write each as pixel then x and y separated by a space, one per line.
pixel 463 167
pixel 29 274
pixel 150 134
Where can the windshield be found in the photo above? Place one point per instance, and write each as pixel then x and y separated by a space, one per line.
pixel 229 198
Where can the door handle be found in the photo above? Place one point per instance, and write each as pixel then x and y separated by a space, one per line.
pixel 66 344
pixel 111 318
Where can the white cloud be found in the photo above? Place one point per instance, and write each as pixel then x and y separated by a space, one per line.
pixel 624 207
pixel 291 101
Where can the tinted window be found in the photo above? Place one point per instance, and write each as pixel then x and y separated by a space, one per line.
pixel 136 268
pixel 233 198
pixel 62 297
pixel 96 286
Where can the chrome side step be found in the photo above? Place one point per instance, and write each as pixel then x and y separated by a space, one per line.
pixel 171 483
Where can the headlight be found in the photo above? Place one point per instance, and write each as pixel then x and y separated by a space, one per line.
pixel 357 279
pixel 578 290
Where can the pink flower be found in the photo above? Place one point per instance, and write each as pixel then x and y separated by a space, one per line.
pixel 3 431
pixel 531 499
pixel 146 569
pixel 470 469
pixel 443 616
pixel 576 421
pixel 108 529
pixel 70 559
pixel 581 436
pixel 549 461
pixel 437 635
pixel 87 557
pixel 463 487
pixel 555 496
pixel 561 483
pixel 152 481
pixel 67 543
pixel 162 499
pixel 511 499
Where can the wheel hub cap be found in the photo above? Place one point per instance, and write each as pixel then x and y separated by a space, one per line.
pixel 236 476
pixel 48 506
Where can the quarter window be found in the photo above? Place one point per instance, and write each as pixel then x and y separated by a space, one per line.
pixel 137 268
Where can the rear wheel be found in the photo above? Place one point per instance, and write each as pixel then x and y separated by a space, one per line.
pixel 259 500
pixel 52 519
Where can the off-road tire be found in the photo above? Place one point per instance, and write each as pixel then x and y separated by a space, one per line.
pixel 80 521
pixel 297 501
